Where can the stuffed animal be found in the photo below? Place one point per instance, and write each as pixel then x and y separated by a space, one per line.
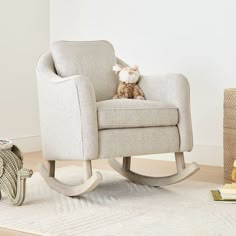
pixel 128 87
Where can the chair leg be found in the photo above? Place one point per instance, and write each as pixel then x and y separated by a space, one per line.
pixel 182 172
pixel 91 181
pixel 51 168
pixel 180 163
pixel 87 170
pixel 126 163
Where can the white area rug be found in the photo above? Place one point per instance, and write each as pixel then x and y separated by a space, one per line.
pixel 119 207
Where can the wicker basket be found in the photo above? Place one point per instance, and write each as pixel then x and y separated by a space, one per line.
pixel 229 131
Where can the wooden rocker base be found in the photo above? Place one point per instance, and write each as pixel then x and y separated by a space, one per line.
pixel 182 174
pixel 90 183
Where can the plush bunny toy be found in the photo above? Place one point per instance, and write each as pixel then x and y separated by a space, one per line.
pixel 128 87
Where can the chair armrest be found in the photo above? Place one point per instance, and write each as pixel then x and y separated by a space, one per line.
pixel 68 114
pixel 173 89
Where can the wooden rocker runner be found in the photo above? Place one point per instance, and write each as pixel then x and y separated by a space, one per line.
pixel 80 120
pixel 91 181
pixel 183 172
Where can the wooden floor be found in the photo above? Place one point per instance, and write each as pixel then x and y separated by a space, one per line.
pixel 152 167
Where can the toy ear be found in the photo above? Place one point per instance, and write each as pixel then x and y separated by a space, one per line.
pixel 135 67
pixel 117 68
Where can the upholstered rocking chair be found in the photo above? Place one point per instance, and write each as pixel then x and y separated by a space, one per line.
pixel 81 121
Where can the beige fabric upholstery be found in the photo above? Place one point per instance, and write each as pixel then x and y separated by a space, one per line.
pixel 130 113
pixel 91 59
pixel 138 141
pixel 172 89
pixel 121 62
pixel 78 124
pixel 67 114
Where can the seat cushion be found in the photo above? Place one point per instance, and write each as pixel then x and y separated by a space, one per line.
pixel 132 113
pixel 93 59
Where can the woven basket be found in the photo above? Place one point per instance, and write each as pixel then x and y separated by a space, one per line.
pixel 229 131
pixel 12 174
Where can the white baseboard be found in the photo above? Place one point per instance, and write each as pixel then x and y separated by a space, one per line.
pixel 28 143
pixel 202 154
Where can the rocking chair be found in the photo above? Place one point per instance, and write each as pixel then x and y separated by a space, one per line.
pixel 81 121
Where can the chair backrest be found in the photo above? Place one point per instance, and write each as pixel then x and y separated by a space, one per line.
pixel 89 58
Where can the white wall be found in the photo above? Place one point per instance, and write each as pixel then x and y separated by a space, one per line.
pixel 196 38
pixel 24 35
